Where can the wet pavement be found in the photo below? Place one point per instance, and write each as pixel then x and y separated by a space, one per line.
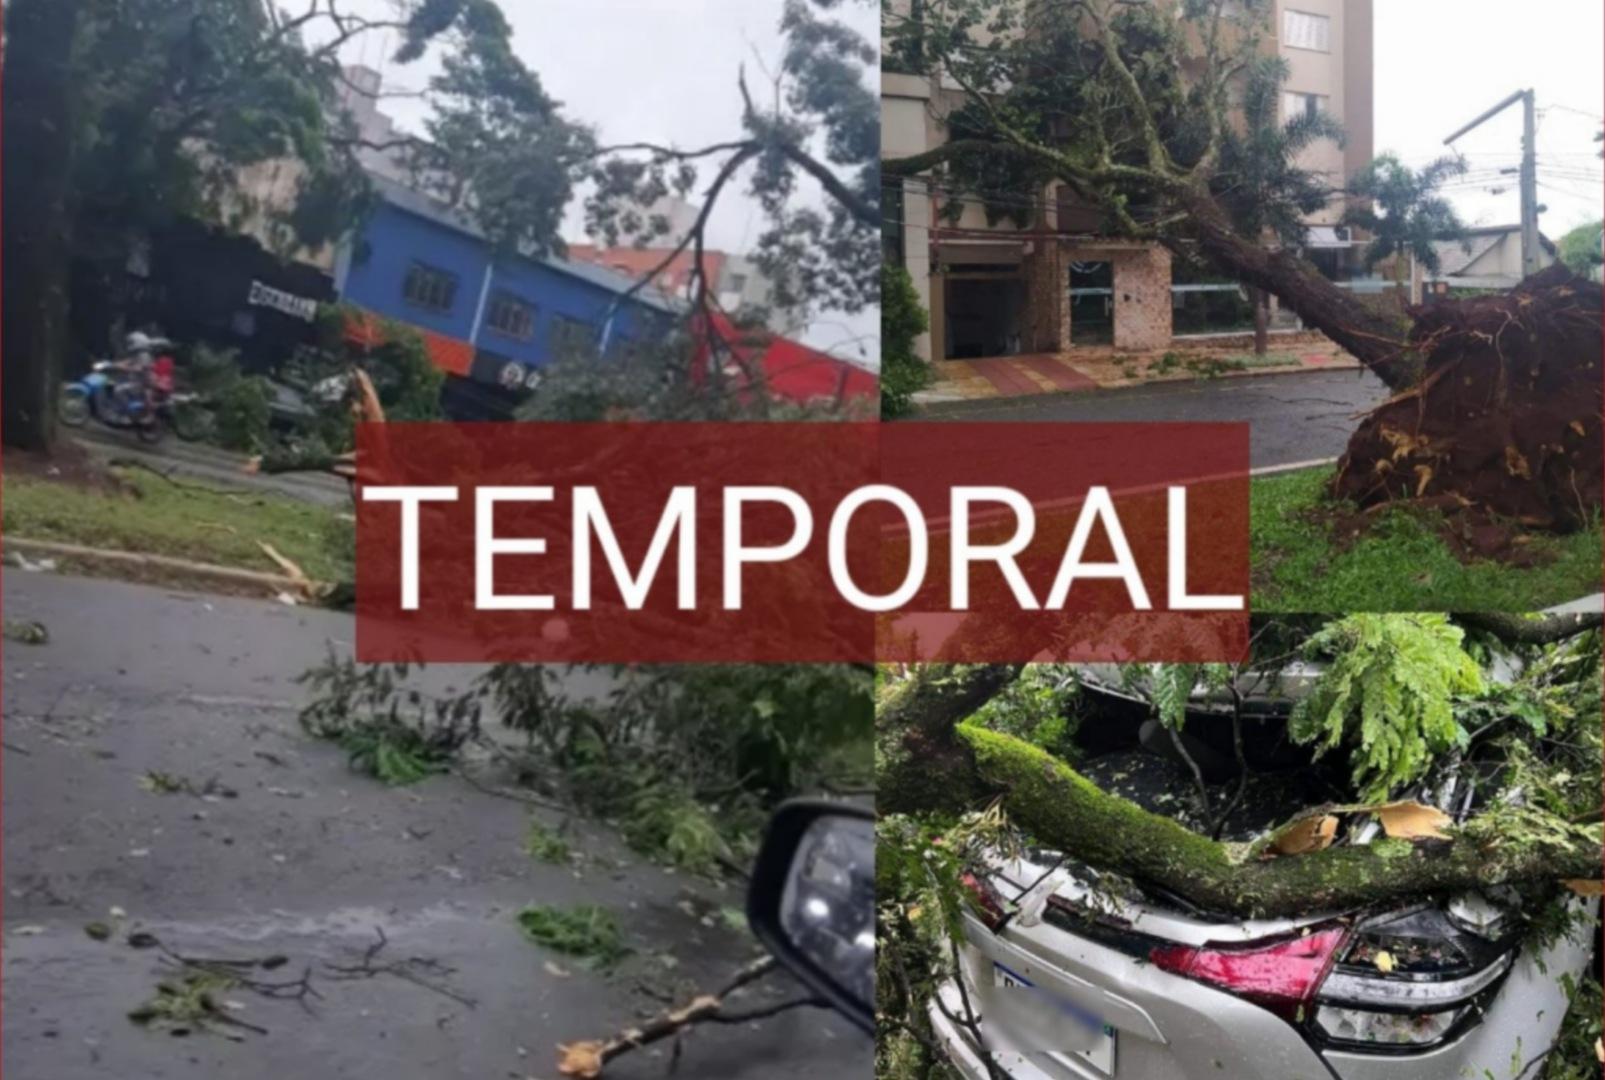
pixel 211 465
pixel 309 861
pixel 1296 417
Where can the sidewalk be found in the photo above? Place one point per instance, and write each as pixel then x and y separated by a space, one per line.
pixel 1101 367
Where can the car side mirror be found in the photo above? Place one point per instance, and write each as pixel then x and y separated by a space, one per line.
pixel 812 901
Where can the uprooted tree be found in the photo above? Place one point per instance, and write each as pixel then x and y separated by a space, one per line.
pixel 1132 108
pixel 1401 696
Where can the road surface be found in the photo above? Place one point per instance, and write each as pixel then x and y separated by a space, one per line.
pixel 307 861
pixel 1296 417
pixel 199 462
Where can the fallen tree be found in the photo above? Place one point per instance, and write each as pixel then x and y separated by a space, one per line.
pixel 936 757
pixel 1142 115
pixel 1052 800
pixel 1505 421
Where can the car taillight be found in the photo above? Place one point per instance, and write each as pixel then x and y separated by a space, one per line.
pixel 1281 975
pixel 985 901
pixel 1408 979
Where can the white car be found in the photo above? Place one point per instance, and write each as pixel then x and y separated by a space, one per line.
pixel 1073 974
pixel 1144 990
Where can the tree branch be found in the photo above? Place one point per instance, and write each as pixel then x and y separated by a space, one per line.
pixel 1517 630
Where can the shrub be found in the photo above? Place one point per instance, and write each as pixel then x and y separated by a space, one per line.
pixel 902 320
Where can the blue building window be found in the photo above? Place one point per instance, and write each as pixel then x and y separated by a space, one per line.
pixel 572 336
pixel 511 316
pixel 430 287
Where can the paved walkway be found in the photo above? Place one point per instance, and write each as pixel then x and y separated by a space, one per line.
pixel 1090 368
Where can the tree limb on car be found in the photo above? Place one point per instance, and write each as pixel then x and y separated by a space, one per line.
pixel 1054 802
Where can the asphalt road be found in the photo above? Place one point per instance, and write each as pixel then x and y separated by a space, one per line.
pixel 198 462
pixel 1299 417
pixel 307 860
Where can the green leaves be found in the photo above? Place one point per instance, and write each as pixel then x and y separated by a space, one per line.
pixel 1388 695
pixel 1401 208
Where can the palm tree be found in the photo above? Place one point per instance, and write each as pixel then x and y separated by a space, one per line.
pixel 1404 213
pixel 1260 183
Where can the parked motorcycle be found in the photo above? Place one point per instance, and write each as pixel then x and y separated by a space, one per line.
pixel 108 394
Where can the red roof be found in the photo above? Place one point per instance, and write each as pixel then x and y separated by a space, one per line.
pixel 790 369
pixel 636 263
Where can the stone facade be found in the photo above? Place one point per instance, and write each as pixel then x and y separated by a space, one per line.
pixel 1142 309
pixel 1142 298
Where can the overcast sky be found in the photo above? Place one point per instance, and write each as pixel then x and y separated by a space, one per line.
pixel 1439 63
pixel 652 71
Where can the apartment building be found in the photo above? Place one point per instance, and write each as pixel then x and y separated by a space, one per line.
pixel 1053 283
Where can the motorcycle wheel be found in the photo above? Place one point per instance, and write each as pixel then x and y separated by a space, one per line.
pixel 152 431
pixel 72 406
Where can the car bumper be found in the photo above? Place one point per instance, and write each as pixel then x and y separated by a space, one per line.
pixel 1166 1027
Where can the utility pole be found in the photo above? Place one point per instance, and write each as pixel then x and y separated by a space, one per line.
pixel 1529 173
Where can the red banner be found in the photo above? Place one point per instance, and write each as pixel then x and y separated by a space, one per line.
pixel 807 542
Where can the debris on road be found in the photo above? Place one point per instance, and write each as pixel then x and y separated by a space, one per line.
pixel 27 632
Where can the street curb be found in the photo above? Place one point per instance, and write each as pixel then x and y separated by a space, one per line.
pixel 210 571
pixel 938 408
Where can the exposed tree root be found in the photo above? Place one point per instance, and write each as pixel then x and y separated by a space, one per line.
pixel 1504 427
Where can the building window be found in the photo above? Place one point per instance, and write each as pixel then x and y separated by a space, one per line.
pixel 570 336
pixel 737 283
pixel 1301 30
pixel 511 316
pixel 430 287
pixel 1295 105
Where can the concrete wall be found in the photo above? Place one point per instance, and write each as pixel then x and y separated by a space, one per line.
pixel 1341 76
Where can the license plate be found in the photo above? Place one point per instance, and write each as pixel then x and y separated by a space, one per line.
pixel 1101 1053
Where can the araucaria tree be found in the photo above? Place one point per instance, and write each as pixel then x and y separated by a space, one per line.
pixel 1146 113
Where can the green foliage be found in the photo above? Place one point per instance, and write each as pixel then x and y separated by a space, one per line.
pixel 585 931
pixel 1580 248
pixel 546 844
pixel 1169 687
pixel 1305 558
pixel 1387 696
pixel 1575 1056
pixel 920 902
pixel 666 821
pixel 243 414
pixel 238 404
pixel 1260 183
pixel 1403 211
pixel 187 1003
pixel 389 731
pixel 902 320
pixel 1036 707
pixel 687 761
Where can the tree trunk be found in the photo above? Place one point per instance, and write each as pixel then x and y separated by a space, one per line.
pixel 929 761
pixel 1262 321
pixel 35 163
pixel 1377 340
pixel 920 767
pixel 1058 805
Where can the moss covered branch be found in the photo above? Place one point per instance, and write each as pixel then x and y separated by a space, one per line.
pixel 1063 808
pixel 920 767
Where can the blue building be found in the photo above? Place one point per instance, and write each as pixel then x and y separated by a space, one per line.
pixel 493 321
